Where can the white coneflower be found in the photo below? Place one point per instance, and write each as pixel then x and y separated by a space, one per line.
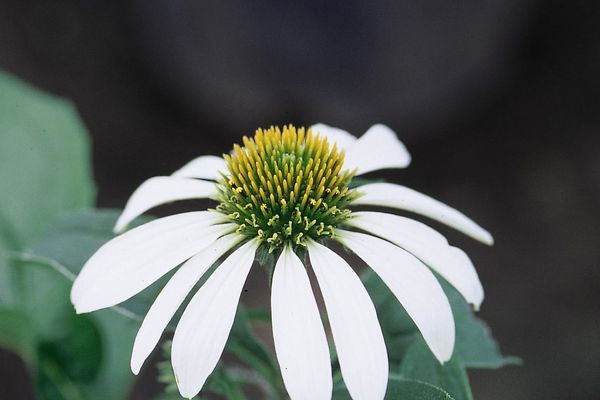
pixel 286 192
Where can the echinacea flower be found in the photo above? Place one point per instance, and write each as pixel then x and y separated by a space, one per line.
pixel 287 192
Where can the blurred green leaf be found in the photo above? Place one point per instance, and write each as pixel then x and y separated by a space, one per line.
pixel 53 384
pixel 398 328
pixel 78 350
pixel 8 293
pixel 45 172
pixel 68 362
pixel 221 381
pixel 474 348
pixel 80 356
pixel 400 388
pixel 420 364
pixel 474 340
pixel 16 335
pixel 63 250
pixel 44 297
pixel 248 348
pixel 114 379
pixel 91 362
pixel 44 161
pixel 259 315
pixel 72 240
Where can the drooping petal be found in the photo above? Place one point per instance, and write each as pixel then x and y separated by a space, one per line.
pixel 427 245
pixel 161 190
pixel 340 137
pixel 378 148
pixel 206 322
pixel 401 197
pixel 465 279
pixel 131 262
pixel 300 341
pixel 205 167
pixel 413 284
pixel 172 296
pixel 354 325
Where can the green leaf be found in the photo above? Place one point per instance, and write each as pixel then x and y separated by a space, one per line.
pixel 221 381
pixel 78 350
pixel 44 170
pixel 420 364
pixel 16 334
pixel 74 238
pixel 248 348
pixel 474 341
pixel 80 356
pixel 91 362
pixel 474 348
pixel 67 362
pixel 44 161
pixel 65 247
pixel 114 379
pixel 398 328
pixel 400 388
pixel 8 282
pixel 44 297
pixel 259 315
pixel 53 384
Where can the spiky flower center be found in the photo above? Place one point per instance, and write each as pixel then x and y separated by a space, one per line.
pixel 285 187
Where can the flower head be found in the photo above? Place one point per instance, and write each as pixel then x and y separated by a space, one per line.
pixel 286 187
pixel 287 192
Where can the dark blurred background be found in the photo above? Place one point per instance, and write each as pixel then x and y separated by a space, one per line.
pixel 497 100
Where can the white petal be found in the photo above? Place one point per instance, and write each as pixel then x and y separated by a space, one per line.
pixel 340 137
pixel 300 340
pixel 161 190
pixel 205 324
pixel 173 294
pixel 354 325
pixel 413 284
pixel 205 167
pixel 427 245
pixel 378 148
pixel 131 262
pixel 401 197
pixel 465 279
